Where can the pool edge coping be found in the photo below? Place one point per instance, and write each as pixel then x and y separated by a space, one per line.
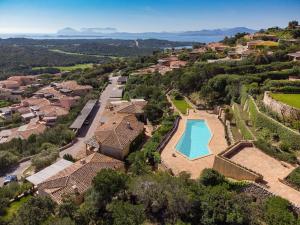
pixel 201 157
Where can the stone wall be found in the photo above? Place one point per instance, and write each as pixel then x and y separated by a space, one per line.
pixel 233 170
pixel 228 168
pixel 261 193
pixel 283 110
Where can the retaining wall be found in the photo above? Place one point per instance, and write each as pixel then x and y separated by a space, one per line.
pixel 228 168
pixel 283 110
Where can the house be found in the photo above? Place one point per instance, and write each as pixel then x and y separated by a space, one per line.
pixel 134 107
pixel 115 136
pixel 259 44
pixel 23 80
pixel 7 94
pixel 234 55
pixel 122 80
pixel 217 46
pixel 76 179
pixel 295 56
pixel 28 116
pixel 177 64
pixel 7 135
pixel 9 84
pixel 262 36
pixel 68 87
pixel 25 131
pixel 48 172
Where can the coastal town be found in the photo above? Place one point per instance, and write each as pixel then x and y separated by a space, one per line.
pixel 218 118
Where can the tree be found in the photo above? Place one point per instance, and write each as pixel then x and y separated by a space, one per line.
pixel 278 213
pixel 46 157
pixel 124 213
pixel 293 24
pixel 164 197
pixel 218 206
pixel 7 159
pixel 67 209
pixel 35 211
pixel 153 112
pixel 296 33
pixel 210 177
pixel 108 183
pixel 59 221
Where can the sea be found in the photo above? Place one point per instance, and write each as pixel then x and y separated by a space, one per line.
pixel 124 36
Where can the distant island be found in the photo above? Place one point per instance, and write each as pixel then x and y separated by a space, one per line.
pixel 205 35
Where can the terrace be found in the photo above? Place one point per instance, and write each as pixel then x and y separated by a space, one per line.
pixel 177 162
pixel 241 162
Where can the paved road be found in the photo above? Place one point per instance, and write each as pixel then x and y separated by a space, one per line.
pixel 85 134
pixel 89 132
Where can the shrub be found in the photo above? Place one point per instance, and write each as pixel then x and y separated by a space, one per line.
pixel 7 159
pixel 277 212
pixel 294 178
pixel 241 123
pixel 261 120
pixel 275 152
pixel 45 158
pixel 210 177
pixel 69 157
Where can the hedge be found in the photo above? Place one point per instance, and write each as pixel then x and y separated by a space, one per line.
pixel 285 134
pixel 241 123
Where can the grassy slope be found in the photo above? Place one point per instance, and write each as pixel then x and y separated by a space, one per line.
pixel 181 105
pixel 69 68
pixel 289 99
pixel 14 207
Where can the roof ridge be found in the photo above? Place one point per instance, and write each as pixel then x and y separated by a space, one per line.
pixel 118 126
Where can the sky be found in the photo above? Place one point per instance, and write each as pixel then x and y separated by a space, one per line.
pixel 48 16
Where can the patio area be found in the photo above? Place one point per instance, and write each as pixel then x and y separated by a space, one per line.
pixel 178 162
pixel 271 169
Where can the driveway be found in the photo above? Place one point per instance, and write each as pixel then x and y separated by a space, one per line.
pixel 86 133
pixel 79 146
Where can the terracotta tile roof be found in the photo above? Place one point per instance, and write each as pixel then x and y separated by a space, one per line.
pixel 25 131
pixel 72 85
pixel 119 131
pixel 79 175
pixel 9 84
pixel 40 102
pixel 52 110
pixel 177 64
pixel 132 107
pixel 50 90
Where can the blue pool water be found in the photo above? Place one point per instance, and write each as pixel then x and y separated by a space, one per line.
pixel 194 141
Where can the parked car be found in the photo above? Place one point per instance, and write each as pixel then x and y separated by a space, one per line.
pixel 86 122
pixel 10 178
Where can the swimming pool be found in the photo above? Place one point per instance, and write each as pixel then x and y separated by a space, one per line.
pixel 195 139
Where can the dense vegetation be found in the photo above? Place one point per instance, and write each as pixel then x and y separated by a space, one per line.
pixel 159 198
pixel 20 55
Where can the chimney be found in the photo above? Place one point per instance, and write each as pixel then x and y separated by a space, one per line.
pixel 82 161
pixel 75 189
pixel 128 125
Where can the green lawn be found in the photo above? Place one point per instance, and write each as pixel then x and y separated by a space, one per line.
pixel 4 103
pixel 68 68
pixel 181 105
pixel 14 207
pixel 289 99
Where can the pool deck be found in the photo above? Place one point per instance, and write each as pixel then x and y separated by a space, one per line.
pixel 178 162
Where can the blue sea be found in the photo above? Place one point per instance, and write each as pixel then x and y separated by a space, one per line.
pixel 126 36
